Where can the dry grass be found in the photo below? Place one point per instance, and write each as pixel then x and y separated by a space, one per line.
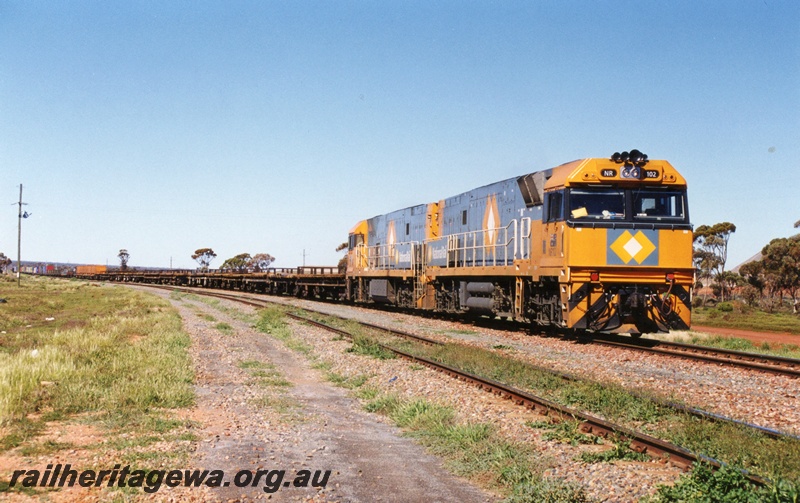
pixel 109 358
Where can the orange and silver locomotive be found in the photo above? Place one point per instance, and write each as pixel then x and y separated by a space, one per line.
pixel 594 244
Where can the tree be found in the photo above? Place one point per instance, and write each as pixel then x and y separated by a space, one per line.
pixel 4 262
pixel 711 251
pixel 705 262
pixel 342 266
pixel 781 263
pixel 261 261
pixel 753 273
pixel 729 280
pixel 123 259
pixel 238 263
pixel 204 256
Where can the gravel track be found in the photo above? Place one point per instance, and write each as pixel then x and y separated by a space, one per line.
pixel 310 424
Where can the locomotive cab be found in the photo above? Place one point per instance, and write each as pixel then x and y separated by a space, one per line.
pixel 627 253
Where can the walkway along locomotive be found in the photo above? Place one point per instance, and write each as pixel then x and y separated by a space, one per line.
pixel 594 244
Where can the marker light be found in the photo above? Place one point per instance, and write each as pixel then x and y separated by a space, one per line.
pixel 635 157
pixel 595 276
pixel 670 277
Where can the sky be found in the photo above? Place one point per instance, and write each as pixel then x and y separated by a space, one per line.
pixel 273 127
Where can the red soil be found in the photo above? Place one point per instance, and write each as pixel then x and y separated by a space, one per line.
pixel 758 337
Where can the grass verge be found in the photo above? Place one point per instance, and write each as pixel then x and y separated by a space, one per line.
pixel 746 318
pixel 476 450
pixel 110 359
pixel 738 344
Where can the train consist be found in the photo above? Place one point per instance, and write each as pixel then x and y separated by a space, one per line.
pixel 595 244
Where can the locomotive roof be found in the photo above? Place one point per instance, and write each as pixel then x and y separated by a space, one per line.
pixel 587 171
pixel 590 171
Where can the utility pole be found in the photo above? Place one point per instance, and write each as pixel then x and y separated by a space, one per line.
pixel 19 235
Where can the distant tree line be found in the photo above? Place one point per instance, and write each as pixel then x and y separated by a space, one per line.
pixel 245 263
pixel 776 275
pixel 242 262
pixel 760 283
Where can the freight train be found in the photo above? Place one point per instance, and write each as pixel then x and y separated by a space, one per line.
pixel 597 244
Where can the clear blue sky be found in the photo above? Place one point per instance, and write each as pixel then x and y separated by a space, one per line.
pixel 163 127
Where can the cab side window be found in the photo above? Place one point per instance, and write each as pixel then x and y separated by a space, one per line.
pixel 355 240
pixel 554 206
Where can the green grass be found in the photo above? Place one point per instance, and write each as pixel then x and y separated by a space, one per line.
pixel 272 321
pixel 44 448
pixel 265 374
pixel 368 346
pixel 747 318
pixel 566 432
pixel 621 451
pixel 131 356
pixel 476 450
pixel 112 357
pixel 778 459
pixel 727 485
pixel 351 382
pixel 739 344
pixel 224 328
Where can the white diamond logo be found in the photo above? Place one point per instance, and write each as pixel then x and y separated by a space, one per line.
pixel 633 246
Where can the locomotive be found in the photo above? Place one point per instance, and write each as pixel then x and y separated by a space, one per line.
pixel 599 244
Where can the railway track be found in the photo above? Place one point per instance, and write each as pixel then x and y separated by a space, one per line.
pixel 750 361
pixel 772 364
pixel 639 442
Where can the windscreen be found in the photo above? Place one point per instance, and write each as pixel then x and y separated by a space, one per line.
pixel 659 204
pixel 597 204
